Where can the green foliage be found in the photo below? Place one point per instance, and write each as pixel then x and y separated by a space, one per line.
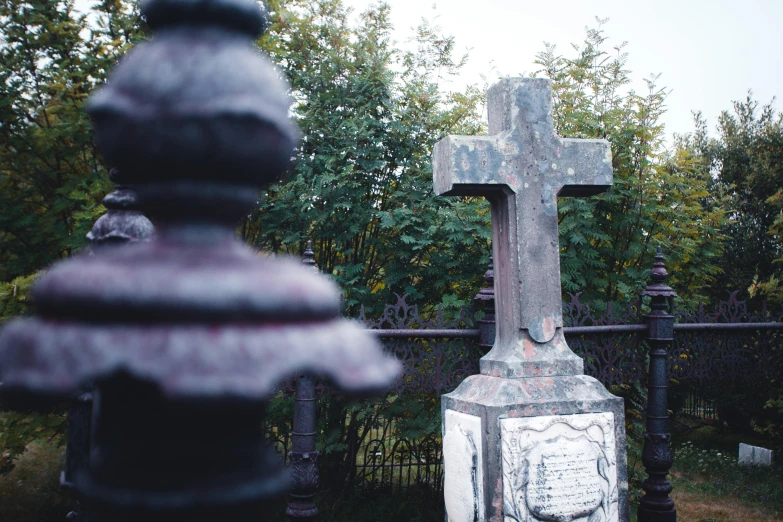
pixel 717 473
pixel 31 492
pixel 15 296
pixel 417 416
pixel 635 398
pixel 18 429
pixel 361 184
pixel 51 180
pixel 607 242
pixel 747 161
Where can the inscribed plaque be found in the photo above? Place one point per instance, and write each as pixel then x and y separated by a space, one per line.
pixel 559 467
pixel 462 466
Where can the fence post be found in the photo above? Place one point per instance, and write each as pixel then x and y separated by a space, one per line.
pixel 656 506
pixel 303 455
pixel 485 298
pixel 122 224
pixel 187 337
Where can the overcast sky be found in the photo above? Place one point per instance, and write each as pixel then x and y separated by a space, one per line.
pixel 708 52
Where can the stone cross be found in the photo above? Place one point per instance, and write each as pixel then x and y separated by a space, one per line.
pixel 522 167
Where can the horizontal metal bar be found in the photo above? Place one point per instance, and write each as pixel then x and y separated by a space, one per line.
pixel 425 334
pixel 611 328
pixel 575 330
pixel 694 327
pixel 683 327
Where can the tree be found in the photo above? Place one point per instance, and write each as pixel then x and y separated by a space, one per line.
pixel 361 181
pixel 51 179
pixel 746 159
pixel 607 242
pixel 361 184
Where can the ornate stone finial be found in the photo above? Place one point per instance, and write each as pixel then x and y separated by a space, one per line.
pixel 188 335
pixel 238 15
pixel 196 118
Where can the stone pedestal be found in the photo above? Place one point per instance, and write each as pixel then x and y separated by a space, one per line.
pixel 539 448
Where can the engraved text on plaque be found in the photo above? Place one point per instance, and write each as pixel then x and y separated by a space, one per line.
pixel 560 467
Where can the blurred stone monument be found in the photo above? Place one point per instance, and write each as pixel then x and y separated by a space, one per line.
pixel 185 338
pixel 531 437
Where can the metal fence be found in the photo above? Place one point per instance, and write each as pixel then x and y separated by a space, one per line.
pixel 727 346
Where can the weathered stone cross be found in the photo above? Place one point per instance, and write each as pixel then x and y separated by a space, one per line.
pixel 521 168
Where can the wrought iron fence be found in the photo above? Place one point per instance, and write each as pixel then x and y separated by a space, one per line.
pixel 391 464
pixel 696 405
pixel 726 345
pixel 436 352
pixel 611 344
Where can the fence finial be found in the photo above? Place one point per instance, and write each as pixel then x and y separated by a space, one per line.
pixel 308 260
pixel 122 223
pixel 303 455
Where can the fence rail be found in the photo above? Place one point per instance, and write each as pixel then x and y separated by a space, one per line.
pixel 729 345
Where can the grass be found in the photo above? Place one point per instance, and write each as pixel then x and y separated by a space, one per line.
pixel 30 491
pixel 709 486
pixel 415 505
pixel 696 507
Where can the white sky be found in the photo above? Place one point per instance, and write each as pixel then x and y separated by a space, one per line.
pixel 708 52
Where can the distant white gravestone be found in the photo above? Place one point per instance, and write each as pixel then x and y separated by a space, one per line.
pixel 755 455
pixel 550 441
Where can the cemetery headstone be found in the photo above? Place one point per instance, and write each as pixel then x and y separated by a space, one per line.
pixel 531 437
pixel 755 455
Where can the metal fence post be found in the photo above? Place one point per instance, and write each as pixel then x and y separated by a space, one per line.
pixel 303 455
pixel 122 224
pixel 187 337
pixel 656 506
pixel 485 298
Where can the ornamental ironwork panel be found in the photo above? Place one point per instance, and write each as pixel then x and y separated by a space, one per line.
pixel 435 358
pixel 730 344
pixel 612 357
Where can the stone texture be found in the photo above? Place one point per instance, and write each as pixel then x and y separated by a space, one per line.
pixel 521 169
pixel 755 455
pixel 495 400
pixel 463 482
pixel 560 467
pixel 531 381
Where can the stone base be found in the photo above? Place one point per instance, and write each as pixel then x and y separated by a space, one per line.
pixel 540 448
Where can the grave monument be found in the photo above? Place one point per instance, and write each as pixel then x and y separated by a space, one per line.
pixel 531 437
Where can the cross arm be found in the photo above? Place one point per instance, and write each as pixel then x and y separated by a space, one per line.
pixel 584 167
pixel 473 166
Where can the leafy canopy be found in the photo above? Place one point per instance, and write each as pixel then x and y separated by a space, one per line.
pixel 51 178
pixel 608 241
pixel 361 184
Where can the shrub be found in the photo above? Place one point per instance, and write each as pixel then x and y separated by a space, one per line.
pixel 30 491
